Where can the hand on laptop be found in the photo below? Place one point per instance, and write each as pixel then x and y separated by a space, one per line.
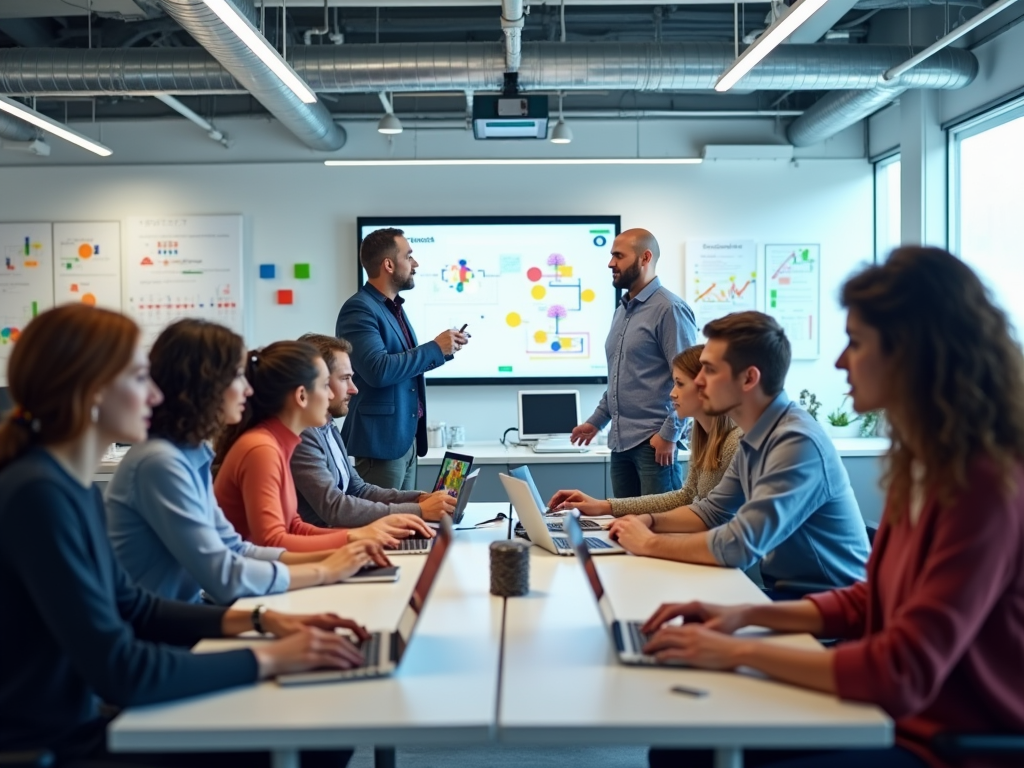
pixel 345 561
pixel 633 533
pixel 309 648
pixel 388 530
pixel 721 618
pixel 587 505
pixel 695 645
pixel 434 505
pixel 583 434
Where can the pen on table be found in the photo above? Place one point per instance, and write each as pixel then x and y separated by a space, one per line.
pixel 686 690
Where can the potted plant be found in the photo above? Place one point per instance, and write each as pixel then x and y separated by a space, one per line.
pixel 843 423
pixel 869 424
pixel 809 402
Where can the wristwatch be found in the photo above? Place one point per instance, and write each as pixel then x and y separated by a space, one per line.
pixel 257 618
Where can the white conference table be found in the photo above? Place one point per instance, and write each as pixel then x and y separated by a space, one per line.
pixel 562 683
pixel 444 692
pixel 537 670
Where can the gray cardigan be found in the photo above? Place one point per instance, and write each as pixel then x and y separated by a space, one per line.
pixel 322 502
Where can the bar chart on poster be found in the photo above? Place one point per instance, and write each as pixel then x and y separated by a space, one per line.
pixel 87 263
pixel 26 281
pixel 793 294
pixel 183 266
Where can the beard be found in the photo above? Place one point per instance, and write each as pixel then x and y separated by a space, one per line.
pixel 711 411
pixel 338 411
pixel 627 277
pixel 408 284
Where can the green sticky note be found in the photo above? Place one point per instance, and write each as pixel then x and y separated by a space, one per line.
pixel 302 271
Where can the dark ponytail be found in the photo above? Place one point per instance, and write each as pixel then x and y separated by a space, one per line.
pixel 274 373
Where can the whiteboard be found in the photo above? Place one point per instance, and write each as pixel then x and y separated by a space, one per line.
pixel 183 266
pixel 87 263
pixel 26 281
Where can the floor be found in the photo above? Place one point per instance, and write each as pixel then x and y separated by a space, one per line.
pixel 498 756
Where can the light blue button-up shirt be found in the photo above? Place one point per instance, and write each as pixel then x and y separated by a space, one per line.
pixel 647 332
pixel 786 500
pixel 170 534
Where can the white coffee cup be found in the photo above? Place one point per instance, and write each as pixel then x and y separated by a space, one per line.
pixel 456 436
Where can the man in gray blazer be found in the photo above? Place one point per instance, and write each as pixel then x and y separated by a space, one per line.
pixel 331 493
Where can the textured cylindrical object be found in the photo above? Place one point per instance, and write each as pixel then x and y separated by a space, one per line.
pixel 510 568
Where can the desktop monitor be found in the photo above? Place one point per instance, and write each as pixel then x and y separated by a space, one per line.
pixel 546 413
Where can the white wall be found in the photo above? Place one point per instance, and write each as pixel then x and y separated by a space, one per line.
pixel 305 212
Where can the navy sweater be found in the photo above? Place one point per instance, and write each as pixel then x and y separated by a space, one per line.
pixel 76 629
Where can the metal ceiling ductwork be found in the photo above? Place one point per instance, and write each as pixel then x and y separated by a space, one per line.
pixel 480 66
pixel 13 129
pixel 311 123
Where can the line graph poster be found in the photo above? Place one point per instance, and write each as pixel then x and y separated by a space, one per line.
pixel 87 263
pixel 26 281
pixel 721 278
pixel 794 295
pixel 183 266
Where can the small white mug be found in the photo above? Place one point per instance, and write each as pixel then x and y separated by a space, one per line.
pixel 456 436
pixel 437 436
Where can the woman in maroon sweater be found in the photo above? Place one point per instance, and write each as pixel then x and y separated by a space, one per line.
pixel 936 634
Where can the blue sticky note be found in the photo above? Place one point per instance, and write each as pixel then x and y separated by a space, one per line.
pixel 267 271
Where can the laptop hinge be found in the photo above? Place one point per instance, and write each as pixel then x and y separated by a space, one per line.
pixel 620 645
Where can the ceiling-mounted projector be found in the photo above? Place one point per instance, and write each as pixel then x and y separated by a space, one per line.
pixel 510 116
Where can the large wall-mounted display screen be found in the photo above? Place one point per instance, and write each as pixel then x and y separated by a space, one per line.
pixel 535 292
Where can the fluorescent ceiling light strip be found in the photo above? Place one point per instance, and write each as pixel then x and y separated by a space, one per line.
pixel 258 44
pixel 524 161
pixel 783 27
pixel 32 117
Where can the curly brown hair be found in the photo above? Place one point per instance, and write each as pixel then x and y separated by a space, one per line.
pixel 193 362
pixel 958 381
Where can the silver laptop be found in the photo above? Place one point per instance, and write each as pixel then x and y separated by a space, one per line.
pixel 383 651
pixel 626 635
pixel 555 526
pixel 533 521
pixel 420 545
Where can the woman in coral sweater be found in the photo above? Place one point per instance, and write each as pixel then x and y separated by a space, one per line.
pixel 254 483
pixel 934 636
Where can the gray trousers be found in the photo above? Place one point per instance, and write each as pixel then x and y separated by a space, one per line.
pixel 397 473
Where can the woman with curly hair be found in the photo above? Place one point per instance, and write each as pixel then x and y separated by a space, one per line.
pixel 934 634
pixel 163 518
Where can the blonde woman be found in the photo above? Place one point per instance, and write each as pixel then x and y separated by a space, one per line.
pixel 714 442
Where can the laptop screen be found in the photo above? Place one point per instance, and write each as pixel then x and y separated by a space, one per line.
pixel 425 582
pixel 454 469
pixel 523 473
pixel 575 533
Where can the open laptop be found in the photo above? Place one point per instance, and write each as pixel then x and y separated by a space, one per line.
pixel 555 526
pixel 383 651
pixel 626 635
pixel 450 478
pixel 533 521
pixel 548 417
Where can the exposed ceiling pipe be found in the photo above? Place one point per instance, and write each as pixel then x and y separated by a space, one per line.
pixel 13 129
pixel 311 123
pixel 429 67
pixel 512 21
pixel 837 111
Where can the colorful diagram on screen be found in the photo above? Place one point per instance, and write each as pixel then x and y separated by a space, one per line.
pixel 537 299
pixel 26 281
pixel 88 265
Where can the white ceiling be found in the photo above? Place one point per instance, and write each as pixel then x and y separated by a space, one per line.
pixel 13 9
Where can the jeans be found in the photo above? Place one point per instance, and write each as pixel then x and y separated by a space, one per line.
pixel 893 757
pixel 637 473
pixel 397 473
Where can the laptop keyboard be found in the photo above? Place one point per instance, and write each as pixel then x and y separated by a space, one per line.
pixel 413 545
pixel 370 649
pixel 638 638
pixel 563 543
pixel 586 525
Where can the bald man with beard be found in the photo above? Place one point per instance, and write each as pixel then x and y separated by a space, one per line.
pixel 651 326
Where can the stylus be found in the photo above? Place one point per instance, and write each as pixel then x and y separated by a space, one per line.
pixel 463 328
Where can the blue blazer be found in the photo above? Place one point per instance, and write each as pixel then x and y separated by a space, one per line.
pixel 381 422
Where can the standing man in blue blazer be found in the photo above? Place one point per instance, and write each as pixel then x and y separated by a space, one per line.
pixel 386 427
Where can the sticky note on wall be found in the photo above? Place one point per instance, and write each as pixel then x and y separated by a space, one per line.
pixel 302 271
pixel 285 296
pixel 267 271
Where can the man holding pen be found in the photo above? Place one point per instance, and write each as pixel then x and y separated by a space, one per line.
pixel 386 426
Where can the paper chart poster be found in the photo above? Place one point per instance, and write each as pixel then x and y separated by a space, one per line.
pixel 721 277
pixel 87 263
pixel 26 281
pixel 183 266
pixel 794 295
